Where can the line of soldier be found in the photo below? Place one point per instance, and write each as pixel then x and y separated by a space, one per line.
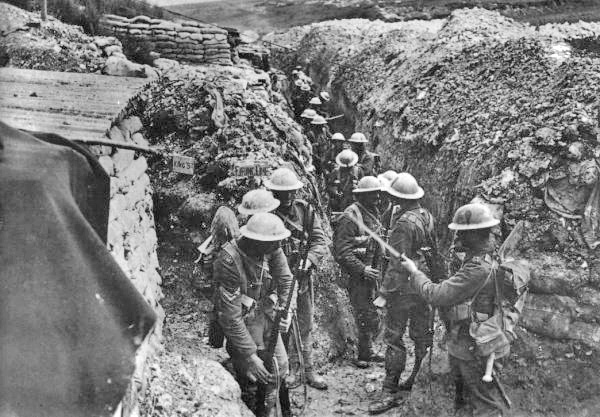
pixel 253 277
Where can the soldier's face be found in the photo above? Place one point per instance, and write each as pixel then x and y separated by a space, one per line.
pixel 285 197
pixel 370 200
pixel 263 248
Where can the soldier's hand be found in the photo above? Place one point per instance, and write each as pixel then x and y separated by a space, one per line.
pixel 257 370
pixel 306 265
pixel 371 273
pixel 284 324
pixel 409 264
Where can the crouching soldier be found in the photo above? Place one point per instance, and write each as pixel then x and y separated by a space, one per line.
pixel 300 218
pixel 253 281
pixel 470 293
pixel 359 258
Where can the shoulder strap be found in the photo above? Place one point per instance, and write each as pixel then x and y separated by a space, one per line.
pixel 232 249
pixel 354 211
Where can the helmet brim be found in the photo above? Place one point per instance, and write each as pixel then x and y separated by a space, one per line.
pixel 318 122
pixel 262 238
pixel 274 187
pixel 307 116
pixel 415 196
pixel 246 211
pixel 485 225
pixel 353 162
pixel 358 140
pixel 366 190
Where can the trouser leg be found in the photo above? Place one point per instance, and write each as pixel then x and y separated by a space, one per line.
pixel 421 334
pixel 396 321
pixel 305 316
pixel 484 397
pixel 361 293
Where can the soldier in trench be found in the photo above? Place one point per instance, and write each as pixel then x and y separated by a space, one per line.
pixel 319 135
pixel 301 219
pixel 360 258
pixel 412 228
pixel 368 162
pixel 467 292
pixel 253 280
pixel 342 180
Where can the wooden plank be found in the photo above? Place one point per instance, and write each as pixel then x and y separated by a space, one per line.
pixel 77 106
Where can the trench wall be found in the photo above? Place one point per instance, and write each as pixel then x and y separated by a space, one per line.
pixel 132 240
pixel 185 41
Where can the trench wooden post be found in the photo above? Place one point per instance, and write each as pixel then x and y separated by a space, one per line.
pixel 44 10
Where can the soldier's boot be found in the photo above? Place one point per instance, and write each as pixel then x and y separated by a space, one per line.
pixel 390 396
pixel 365 351
pixel 420 353
pixel 312 378
pixel 268 408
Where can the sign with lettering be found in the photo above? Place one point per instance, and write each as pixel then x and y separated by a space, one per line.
pixel 183 164
pixel 250 170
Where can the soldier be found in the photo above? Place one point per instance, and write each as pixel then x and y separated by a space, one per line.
pixel 319 137
pixel 257 201
pixel 411 227
pixel 359 258
pixel 338 144
pixel 342 180
pixel 367 161
pixel 305 119
pixel 470 289
pixel 386 179
pixel 300 217
pixel 253 280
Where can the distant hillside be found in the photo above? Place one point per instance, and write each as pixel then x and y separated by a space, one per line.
pixel 268 15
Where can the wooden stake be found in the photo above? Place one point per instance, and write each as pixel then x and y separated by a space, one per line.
pixel 44 10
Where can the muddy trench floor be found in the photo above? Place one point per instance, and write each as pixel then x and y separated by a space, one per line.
pixel 567 390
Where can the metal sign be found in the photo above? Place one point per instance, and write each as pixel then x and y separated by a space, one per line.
pixel 250 170
pixel 183 164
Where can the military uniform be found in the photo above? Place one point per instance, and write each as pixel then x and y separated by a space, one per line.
pixel 405 307
pixel 298 220
pixel 320 141
pixel 354 252
pixel 242 278
pixel 456 293
pixel 366 163
pixel 340 184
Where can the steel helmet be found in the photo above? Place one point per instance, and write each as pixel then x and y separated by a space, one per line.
pixel 387 177
pixel 308 113
pixel 325 96
pixel 318 120
pixel 315 100
pixel 473 216
pixel 305 87
pixel 265 227
pixel 258 201
pixel 367 184
pixel 405 186
pixel 338 136
pixel 358 138
pixel 298 83
pixel 346 158
pixel 283 179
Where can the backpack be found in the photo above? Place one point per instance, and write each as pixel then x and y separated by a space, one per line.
pixel 495 334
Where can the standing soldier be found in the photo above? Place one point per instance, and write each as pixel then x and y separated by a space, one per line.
pixel 319 135
pixel 367 161
pixel 359 258
pixel 343 180
pixel 386 179
pixel 338 144
pixel 253 281
pixel 469 292
pixel 300 218
pixel 412 228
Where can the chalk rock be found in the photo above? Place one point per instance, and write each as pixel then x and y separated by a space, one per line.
pixel 120 67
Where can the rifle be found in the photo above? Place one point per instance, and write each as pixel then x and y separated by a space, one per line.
pixel 268 354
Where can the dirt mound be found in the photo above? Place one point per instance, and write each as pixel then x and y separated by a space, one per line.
pixel 478 104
